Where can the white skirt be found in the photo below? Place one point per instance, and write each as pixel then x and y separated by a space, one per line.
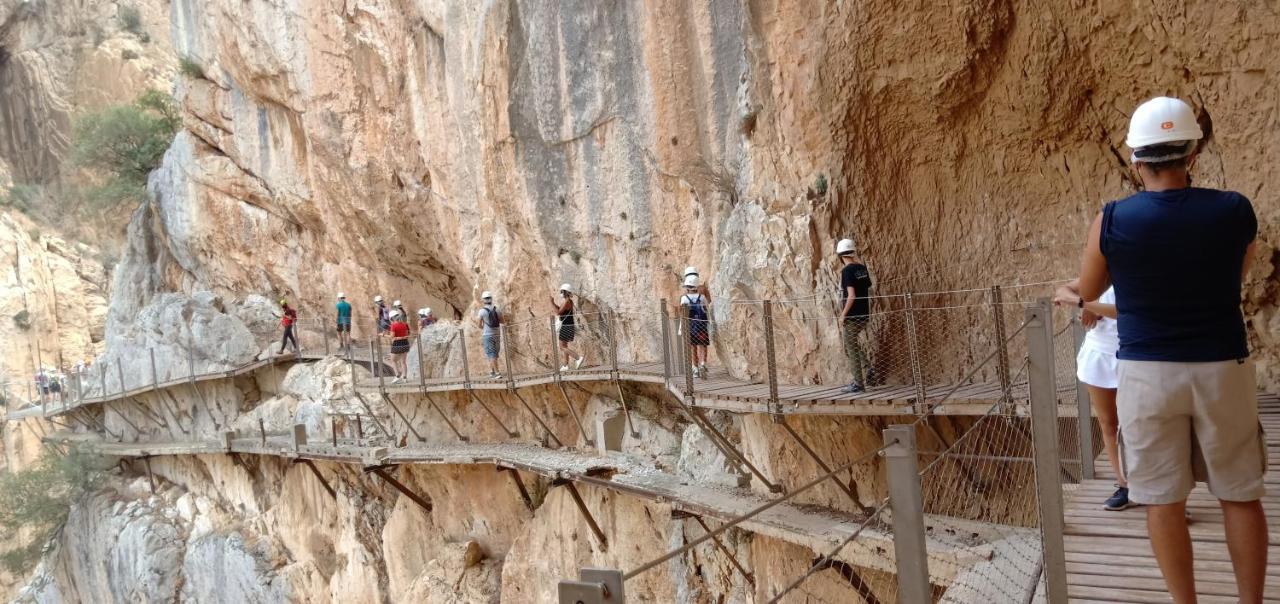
pixel 1097 368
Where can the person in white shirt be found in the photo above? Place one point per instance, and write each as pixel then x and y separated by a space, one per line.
pixel 1098 369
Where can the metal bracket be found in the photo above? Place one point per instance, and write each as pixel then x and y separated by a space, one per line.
pixel 750 578
pixel 510 433
pixel 381 472
pixel 319 476
pixel 433 404
pixel 404 419
pixel 519 482
pixel 582 508
pixel 849 489
pixel 574 411
pixel 538 418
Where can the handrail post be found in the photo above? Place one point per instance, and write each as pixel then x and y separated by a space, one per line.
pixel 1044 435
pixel 1002 347
pixel 466 364
pixel 375 357
pixel 913 349
pixel 504 340
pixel 611 326
pixel 663 316
pixel 120 374
pixel 325 331
pixel 422 365
pixel 905 498
pixel 555 352
pixel 1084 412
pixel 686 345
pixel 775 408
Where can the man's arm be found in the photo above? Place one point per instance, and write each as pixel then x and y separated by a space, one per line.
pixel 850 295
pixel 1248 260
pixel 1094 278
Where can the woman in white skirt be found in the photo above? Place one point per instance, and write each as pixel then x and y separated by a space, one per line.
pixel 1097 368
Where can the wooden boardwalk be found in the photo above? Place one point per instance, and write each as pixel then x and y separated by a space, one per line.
pixel 1109 558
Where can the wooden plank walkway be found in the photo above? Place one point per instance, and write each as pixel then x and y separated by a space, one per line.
pixel 1109 558
pixel 954 545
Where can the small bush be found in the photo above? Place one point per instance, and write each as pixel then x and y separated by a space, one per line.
pixel 22 320
pixel 820 185
pixel 131 20
pixel 190 68
pixel 34 503
pixel 21 197
pixel 128 54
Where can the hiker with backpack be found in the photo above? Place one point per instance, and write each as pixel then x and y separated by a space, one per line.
pixel 383 314
pixel 288 316
pixel 398 331
pixel 697 309
pixel 490 321
pixel 566 328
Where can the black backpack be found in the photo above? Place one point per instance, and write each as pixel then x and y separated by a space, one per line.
pixel 492 318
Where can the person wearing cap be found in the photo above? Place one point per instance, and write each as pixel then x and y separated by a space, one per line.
pixel 855 307
pixel 383 314
pixel 697 310
pixel 566 329
pixel 489 319
pixel 288 316
pixel 1187 398
pixel 425 318
pixel 691 271
pixel 404 314
pixel 344 322
pixel 398 333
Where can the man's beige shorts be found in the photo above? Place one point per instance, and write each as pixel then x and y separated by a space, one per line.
pixel 1183 422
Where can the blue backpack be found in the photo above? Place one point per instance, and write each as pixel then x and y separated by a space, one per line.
pixel 697 310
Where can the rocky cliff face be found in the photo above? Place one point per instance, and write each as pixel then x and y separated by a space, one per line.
pixel 428 150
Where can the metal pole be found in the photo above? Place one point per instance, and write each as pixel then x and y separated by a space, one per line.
pixel 586 514
pixel 906 500
pixel 262 430
pixel 913 348
pixel 466 366
pixel 422 366
pixel 504 340
pixel 1002 356
pixel 1044 434
pixel 120 374
pixel 687 367
pixel 555 353
pixel 325 330
pixel 375 359
pixel 1084 413
pixel 666 342
pixel 611 325
pixel 333 429
pixel 433 404
pixel 774 406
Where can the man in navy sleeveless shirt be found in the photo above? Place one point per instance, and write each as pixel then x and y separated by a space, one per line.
pixel 1187 400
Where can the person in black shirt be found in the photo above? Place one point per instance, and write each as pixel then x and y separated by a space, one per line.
pixel 855 289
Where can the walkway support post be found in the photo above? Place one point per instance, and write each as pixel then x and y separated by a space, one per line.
pixel 555 352
pixel 519 484
pixel 381 472
pixel 504 339
pixel 1044 435
pixel 325 332
pixel 687 324
pixel 422 365
pixel 155 377
pixel 616 376
pixel 775 407
pixel 586 513
pixel 910 551
pixel 453 428
pixel 1002 347
pixel 1084 412
pixel 375 357
pixel 666 342
pixel 913 349
pixel 466 364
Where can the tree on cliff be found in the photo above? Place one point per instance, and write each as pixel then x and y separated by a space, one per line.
pixel 122 144
pixel 34 503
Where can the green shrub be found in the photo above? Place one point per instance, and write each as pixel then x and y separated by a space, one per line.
pixel 124 143
pixel 22 320
pixel 190 68
pixel 131 20
pixel 34 503
pixel 21 197
pixel 128 54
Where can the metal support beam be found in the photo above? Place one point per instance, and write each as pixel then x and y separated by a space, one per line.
pixel 910 552
pixel 407 423
pixel 856 581
pixel 538 418
pixel 151 479
pixel 913 350
pixel 849 489
pixel 1044 432
pixel 687 366
pixel 519 482
pixel 381 472
pixel 316 471
pixel 369 410
pixel 375 358
pixel 504 340
pixel 775 407
pixel 666 342
pixel 510 433
pixel 750 578
pixel 466 364
pixel 445 417
pixel 155 376
pixel 622 397
pixel 1002 346
pixel 1084 411
pixel 614 376
pixel 555 352
pixel 722 443
pixel 262 430
pixel 574 411
pixel 586 513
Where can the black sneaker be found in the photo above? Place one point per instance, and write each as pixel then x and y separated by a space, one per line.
pixel 854 388
pixel 1119 500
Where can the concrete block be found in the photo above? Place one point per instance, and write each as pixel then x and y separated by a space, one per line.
pixel 610 428
pixel 298 435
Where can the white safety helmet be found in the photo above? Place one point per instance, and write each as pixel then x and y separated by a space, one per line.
pixel 845 247
pixel 692 281
pixel 395 314
pixel 689 270
pixel 1162 121
pixel 486 295
pixel 566 288
pixel 396 304
pixel 342 296
pixel 422 312
pixel 377 298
